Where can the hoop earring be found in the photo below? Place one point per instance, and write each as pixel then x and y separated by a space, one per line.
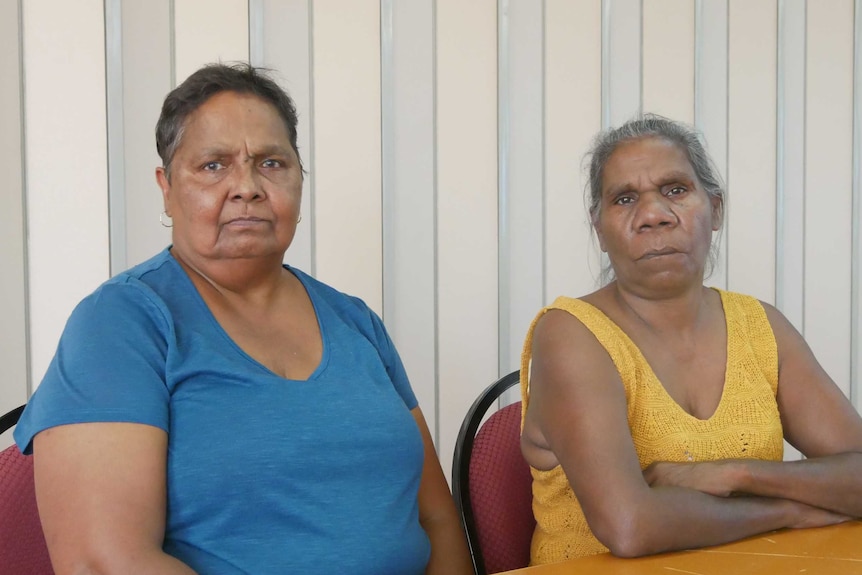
pixel 162 220
pixel 299 219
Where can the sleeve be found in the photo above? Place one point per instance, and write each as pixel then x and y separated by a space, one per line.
pixel 392 362
pixel 109 365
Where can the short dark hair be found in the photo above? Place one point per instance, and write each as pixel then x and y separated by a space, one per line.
pixel 205 83
pixel 679 134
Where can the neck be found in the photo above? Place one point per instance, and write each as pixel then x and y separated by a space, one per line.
pixel 678 313
pixel 247 278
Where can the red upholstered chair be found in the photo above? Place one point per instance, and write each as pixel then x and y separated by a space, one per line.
pixel 492 484
pixel 22 544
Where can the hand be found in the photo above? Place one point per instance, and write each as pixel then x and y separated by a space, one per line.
pixel 711 477
pixel 805 516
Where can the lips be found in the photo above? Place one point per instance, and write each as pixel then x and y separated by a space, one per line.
pixel 245 221
pixel 659 253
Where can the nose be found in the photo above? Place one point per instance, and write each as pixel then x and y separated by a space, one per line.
pixel 246 185
pixel 654 211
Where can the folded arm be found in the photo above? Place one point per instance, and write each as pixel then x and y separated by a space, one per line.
pixel 578 413
pixel 101 491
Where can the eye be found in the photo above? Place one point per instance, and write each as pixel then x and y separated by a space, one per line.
pixel 212 166
pixel 272 163
pixel 676 190
pixel 623 201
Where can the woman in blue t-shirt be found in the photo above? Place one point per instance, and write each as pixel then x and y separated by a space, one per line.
pixel 214 411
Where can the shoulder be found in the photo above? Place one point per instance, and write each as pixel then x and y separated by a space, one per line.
pixel 769 324
pixel 125 304
pixel 349 309
pixel 120 298
pixel 737 303
pixel 788 341
pixel 121 319
pixel 777 320
pixel 162 262
pixel 572 322
pixel 758 316
pixel 565 339
pixel 556 326
pixel 567 313
pixel 333 297
pixel 581 323
pixel 145 282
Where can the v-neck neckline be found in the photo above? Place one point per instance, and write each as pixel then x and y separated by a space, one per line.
pixel 654 379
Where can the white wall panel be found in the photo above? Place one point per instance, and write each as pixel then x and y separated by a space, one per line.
pixel 207 32
pixel 790 174
pixel 521 174
pixel 621 57
pixel 466 209
pixel 572 117
pixel 751 156
pixel 409 194
pixel 280 39
pixel 856 211
pixel 13 281
pixel 668 59
pixel 116 134
pixel 65 150
pixel 710 112
pixel 146 80
pixel 828 178
pixel 347 147
pixel 790 206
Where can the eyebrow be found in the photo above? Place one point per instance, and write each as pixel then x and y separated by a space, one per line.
pixel 677 176
pixel 663 180
pixel 213 151
pixel 269 150
pixel 273 150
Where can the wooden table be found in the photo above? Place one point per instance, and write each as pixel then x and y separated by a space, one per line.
pixel 835 550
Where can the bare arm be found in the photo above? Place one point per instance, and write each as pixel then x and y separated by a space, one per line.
pixel 437 514
pixel 817 419
pixel 577 413
pixel 101 492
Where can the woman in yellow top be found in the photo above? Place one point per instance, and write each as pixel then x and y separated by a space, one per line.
pixel 651 403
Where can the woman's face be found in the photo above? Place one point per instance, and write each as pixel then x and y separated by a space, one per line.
pixel 235 181
pixel 656 220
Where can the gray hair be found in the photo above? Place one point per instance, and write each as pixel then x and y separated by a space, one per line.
pixel 208 81
pixel 683 136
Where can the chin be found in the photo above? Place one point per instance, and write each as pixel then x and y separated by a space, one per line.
pixel 248 252
pixel 663 283
pixel 676 281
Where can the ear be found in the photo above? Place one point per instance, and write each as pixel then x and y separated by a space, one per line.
pixel 717 212
pixel 165 185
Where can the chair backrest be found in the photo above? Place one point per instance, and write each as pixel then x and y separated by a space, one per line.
pixel 22 544
pixel 492 484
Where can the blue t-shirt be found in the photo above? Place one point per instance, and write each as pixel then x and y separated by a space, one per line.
pixel 264 475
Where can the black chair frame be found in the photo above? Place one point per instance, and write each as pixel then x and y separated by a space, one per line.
pixel 461 462
pixel 9 419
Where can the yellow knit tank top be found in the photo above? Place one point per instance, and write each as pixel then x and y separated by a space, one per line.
pixel 745 424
